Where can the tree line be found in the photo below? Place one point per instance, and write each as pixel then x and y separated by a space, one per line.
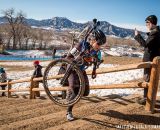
pixel 17 34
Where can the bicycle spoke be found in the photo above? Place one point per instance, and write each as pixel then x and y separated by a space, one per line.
pixel 57 92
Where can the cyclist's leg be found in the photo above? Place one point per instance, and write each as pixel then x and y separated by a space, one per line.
pixel 72 93
pixel 87 89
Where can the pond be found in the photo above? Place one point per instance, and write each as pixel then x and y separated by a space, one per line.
pixel 18 55
pixel 11 58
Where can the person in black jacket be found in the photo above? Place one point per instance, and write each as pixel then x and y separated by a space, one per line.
pixel 151 47
pixel 53 53
pixel 3 78
pixel 37 73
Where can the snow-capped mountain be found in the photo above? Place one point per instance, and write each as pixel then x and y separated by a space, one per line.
pixel 110 29
pixel 61 23
pixel 56 22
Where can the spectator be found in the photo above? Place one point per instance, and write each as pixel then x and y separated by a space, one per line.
pixel 37 73
pixel 53 53
pixel 3 78
pixel 151 48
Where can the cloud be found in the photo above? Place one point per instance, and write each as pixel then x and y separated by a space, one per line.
pixel 131 26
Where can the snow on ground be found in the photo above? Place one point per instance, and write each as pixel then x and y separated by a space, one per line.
pixel 35 53
pixel 102 79
pixel 23 63
pixel 116 78
pixel 124 51
pixel 114 51
pixel 109 78
pixel 28 53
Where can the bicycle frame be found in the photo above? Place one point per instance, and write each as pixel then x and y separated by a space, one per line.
pixel 69 69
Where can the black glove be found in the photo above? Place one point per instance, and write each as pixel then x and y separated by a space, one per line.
pixel 99 62
pixel 94 74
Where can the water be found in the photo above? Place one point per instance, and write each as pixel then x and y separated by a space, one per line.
pixel 28 55
pixel 18 58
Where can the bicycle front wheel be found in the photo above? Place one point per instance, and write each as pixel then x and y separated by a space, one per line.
pixel 57 92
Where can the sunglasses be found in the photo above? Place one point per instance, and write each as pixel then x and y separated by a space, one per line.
pixel 148 22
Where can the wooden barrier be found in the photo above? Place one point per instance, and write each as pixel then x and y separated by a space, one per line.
pixel 112 86
pixel 99 71
pixel 118 86
pixel 152 85
pixel 31 87
pixel 9 88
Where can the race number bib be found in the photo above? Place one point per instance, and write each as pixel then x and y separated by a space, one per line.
pixel 75 52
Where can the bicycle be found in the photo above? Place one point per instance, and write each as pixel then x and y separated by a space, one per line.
pixel 57 73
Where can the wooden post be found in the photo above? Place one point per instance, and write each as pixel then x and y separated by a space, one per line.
pixel 9 88
pixel 153 85
pixel 31 87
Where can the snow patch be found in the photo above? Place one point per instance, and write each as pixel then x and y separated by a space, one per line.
pixel 102 79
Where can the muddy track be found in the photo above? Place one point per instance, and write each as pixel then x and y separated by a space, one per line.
pixel 90 112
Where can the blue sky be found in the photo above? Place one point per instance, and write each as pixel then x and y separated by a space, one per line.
pixel 127 13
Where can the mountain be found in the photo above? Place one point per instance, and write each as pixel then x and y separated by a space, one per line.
pixel 110 29
pixel 2 20
pixel 61 23
pixel 56 22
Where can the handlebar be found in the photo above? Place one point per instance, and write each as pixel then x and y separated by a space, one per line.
pixel 95 25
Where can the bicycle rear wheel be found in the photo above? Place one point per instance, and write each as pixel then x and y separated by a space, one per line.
pixel 52 78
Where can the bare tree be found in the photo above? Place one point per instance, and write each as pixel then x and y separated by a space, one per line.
pixel 4 29
pixel 47 38
pixel 15 20
pixel 72 38
pixel 34 37
pixel 27 35
pixel 40 38
pixel 1 40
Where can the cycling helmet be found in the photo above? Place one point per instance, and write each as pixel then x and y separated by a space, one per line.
pixel 99 37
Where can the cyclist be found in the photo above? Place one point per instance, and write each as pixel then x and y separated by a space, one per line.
pixel 96 39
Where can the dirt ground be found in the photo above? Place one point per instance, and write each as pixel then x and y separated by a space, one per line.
pixel 111 112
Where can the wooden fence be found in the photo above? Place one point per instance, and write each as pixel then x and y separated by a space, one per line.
pixel 152 85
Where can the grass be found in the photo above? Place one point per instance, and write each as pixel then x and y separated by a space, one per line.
pixel 16 68
pixel 121 60
pixel 107 60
